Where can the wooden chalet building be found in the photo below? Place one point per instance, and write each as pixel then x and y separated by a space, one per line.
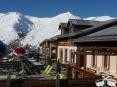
pixel 65 48
pixel 97 51
pixel 69 31
pixel 49 48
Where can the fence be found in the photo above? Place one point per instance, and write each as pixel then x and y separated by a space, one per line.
pixel 48 83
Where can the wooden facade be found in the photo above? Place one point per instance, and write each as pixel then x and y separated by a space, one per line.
pixel 49 48
pixel 97 60
pixel 67 49
pixel 75 53
pixel 97 52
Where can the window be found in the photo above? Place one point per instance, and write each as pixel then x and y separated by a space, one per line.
pixel 61 53
pixel 72 56
pixel 106 62
pixel 47 51
pixel 65 55
pixel 44 52
pixel 94 61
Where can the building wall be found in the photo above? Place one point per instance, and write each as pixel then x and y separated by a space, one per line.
pixel 100 64
pixel 113 64
pixel 69 48
pixel 99 61
pixel 88 61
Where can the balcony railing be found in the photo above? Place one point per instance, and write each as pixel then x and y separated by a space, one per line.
pixel 85 73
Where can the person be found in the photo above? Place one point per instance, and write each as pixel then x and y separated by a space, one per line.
pixel 58 68
pixel 37 57
pixel 49 61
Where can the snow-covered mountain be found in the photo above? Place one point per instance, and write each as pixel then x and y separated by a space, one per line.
pixel 32 30
pixel 99 18
pixel 13 26
pixel 45 28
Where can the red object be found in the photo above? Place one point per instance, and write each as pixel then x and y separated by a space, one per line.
pixel 20 50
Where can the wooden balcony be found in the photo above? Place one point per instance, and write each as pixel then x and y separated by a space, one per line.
pixel 85 73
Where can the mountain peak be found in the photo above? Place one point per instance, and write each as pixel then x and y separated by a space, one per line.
pixel 67 15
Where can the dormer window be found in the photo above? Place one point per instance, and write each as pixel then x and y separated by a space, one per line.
pixel 63 28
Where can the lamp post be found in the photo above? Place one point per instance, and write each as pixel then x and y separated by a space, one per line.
pixel 58 71
pixel 57 80
pixel 8 80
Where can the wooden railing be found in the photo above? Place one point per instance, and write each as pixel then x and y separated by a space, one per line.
pixel 13 64
pixel 92 70
pixel 85 73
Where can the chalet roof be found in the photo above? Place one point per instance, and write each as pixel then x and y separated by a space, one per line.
pixel 91 30
pixel 49 40
pixel 54 38
pixel 62 25
pixel 83 22
pixel 96 39
pixel 108 34
pixel 107 31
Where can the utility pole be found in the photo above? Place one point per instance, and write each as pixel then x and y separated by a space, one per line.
pixel 57 80
pixel 8 80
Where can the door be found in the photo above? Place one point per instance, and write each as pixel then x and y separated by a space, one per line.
pixel 82 61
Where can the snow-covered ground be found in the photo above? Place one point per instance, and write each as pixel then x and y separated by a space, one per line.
pixel 33 30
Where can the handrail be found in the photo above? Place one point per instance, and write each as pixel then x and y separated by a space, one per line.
pixel 90 69
pixel 86 72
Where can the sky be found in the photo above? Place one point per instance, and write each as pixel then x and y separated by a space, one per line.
pixel 50 8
